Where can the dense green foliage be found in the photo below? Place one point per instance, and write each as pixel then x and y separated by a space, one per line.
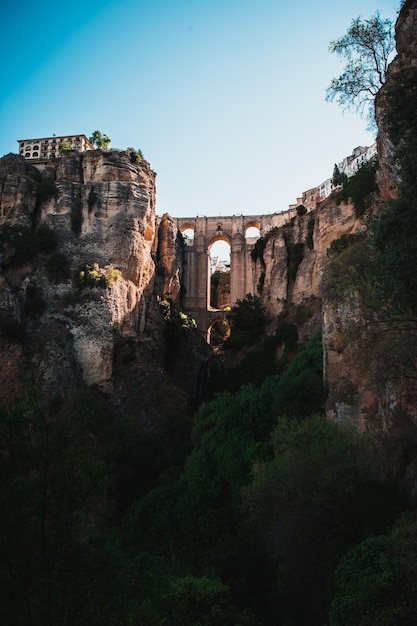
pixel 344 242
pixel 195 516
pixel 247 320
pixel 274 517
pixel 51 474
pixel 359 187
pixel 375 582
pixel 249 530
pixel 312 500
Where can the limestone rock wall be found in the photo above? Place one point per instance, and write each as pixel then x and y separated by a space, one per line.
pixel 370 360
pixel 314 233
pixel 170 254
pixel 406 44
pixel 101 208
pixel 17 190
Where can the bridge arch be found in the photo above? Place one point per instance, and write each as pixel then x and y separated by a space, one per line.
pixel 253 224
pixel 253 230
pixel 219 237
pixel 231 229
pixel 218 330
pixel 186 226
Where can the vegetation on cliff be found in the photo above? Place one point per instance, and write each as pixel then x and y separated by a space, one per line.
pixel 271 515
pixel 367 48
pixel 394 230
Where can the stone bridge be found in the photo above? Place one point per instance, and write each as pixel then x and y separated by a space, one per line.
pixel 232 230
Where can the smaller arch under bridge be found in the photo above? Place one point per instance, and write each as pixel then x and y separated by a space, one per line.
pixel 196 274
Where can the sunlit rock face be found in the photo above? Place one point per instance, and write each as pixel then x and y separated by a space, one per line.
pixel 170 257
pixel 108 337
pixel 101 207
pixel 285 287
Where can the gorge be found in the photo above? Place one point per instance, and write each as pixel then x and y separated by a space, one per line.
pixel 146 480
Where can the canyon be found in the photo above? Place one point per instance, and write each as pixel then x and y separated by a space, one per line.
pixel 109 335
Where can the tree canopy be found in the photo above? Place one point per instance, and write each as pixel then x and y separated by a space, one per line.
pixel 100 140
pixel 367 48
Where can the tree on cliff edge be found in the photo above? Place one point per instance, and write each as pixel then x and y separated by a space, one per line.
pixel 100 140
pixel 367 48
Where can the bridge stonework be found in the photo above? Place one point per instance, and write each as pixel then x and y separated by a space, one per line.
pixel 196 274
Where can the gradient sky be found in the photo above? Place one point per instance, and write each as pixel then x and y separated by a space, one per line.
pixel 225 98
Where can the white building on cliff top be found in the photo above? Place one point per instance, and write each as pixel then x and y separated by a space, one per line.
pixel 47 147
pixel 349 166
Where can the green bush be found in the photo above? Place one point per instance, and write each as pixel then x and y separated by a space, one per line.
pixel 287 334
pixel 301 210
pixel 176 321
pixel 135 155
pixel 91 275
pixel 111 274
pixel 27 243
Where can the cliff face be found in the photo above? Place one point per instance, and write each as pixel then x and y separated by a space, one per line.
pixel 288 286
pixel 370 356
pixel 101 209
pixel 368 359
pixel 106 331
pixel 83 312
pixel 406 44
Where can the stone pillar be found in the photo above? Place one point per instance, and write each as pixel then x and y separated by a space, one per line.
pixel 250 286
pixel 237 268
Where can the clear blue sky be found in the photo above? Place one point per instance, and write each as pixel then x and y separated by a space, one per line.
pixel 226 98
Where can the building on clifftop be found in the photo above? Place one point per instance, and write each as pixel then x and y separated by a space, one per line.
pixel 49 147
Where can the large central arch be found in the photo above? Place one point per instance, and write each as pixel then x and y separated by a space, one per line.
pixel 207 230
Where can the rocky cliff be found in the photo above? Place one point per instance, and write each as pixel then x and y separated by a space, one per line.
pixel 84 263
pixel 368 371
pixel 81 307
